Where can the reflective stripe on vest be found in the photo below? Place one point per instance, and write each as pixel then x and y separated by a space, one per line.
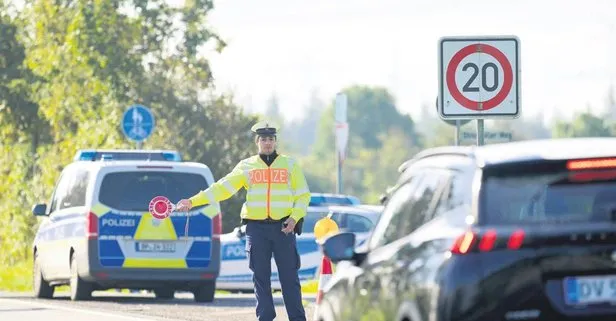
pixel 269 193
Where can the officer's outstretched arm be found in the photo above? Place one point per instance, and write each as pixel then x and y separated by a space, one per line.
pixel 223 189
pixel 301 193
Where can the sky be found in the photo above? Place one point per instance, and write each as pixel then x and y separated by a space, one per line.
pixel 291 47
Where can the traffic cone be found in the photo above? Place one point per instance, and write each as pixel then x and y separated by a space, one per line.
pixel 324 277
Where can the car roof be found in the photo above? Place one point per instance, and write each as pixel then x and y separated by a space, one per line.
pixel 527 150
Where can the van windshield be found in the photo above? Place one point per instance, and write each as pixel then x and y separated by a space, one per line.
pixel 132 191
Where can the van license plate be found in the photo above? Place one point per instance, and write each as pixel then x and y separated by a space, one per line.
pixel 165 247
pixel 590 290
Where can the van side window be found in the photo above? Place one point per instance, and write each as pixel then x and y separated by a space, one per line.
pixel 76 195
pixel 60 191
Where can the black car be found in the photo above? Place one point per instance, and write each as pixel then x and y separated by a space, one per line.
pixel 515 231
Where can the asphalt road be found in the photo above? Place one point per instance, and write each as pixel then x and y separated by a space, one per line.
pixel 109 306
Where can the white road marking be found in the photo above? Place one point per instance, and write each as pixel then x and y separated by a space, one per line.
pixel 107 315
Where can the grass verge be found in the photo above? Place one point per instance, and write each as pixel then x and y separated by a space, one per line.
pixel 16 278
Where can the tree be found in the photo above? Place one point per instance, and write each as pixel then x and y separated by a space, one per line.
pixel 71 67
pixel 371 112
pixel 21 133
pixel 583 125
pixel 377 171
pixel 380 139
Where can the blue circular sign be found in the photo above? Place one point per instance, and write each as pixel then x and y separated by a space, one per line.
pixel 138 123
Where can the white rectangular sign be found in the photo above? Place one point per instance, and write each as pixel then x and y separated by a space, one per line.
pixel 479 77
pixel 341 125
pixel 489 137
pixel 341 108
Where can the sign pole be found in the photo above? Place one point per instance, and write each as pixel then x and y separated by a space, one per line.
pixel 480 132
pixel 457 123
pixel 339 176
pixel 457 132
pixel 342 136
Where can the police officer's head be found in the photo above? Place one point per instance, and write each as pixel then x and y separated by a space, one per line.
pixel 265 136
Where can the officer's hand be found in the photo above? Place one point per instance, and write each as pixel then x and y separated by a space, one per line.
pixel 183 205
pixel 290 223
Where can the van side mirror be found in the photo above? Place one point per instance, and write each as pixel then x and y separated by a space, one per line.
pixel 40 210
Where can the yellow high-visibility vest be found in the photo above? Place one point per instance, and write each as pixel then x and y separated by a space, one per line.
pixel 275 192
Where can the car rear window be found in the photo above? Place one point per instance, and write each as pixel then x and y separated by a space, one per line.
pixel 132 191
pixel 547 194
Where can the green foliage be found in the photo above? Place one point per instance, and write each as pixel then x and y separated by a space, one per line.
pixel 371 112
pixel 70 68
pixel 380 139
pixel 16 277
pixel 583 125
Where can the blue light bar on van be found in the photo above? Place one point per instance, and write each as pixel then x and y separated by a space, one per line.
pixel 120 155
pixel 172 156
pixel 85 155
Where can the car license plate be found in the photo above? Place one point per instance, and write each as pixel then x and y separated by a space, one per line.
pixel 590 290
pixel 164 247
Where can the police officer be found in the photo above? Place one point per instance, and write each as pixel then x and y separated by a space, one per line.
pixel 276 201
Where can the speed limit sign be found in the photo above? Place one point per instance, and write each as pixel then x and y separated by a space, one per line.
pixel 479 77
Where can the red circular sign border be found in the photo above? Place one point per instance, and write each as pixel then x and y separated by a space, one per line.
pixel 152 207
pixel 502 60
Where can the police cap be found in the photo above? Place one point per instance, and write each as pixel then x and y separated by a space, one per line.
pixel 265 128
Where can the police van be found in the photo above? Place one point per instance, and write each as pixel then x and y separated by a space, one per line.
pixel 97 232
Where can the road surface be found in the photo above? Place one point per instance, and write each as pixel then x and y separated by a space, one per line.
pixel 110 306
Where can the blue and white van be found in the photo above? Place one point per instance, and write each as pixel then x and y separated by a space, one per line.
pixel 97 232
pixel 235 274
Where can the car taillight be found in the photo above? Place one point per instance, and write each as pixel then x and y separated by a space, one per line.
pixel 463 243
pixel 592 175
pixel 515 240
pixel 487 241
pixel 582 164
pixel 217 225
pixel 91 226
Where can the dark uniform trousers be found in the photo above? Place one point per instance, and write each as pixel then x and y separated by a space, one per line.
pixel 262 240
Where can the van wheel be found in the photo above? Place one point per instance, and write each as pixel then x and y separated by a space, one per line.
pixel 80 289
pixel 205 293
pixel 42 289
pixel 164 294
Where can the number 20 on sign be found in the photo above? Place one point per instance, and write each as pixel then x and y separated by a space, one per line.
pixel 479 77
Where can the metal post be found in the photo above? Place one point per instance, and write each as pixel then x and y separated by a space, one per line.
pixel 139 143
pixel 480 137
pixel 339 177
pixel 457 132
